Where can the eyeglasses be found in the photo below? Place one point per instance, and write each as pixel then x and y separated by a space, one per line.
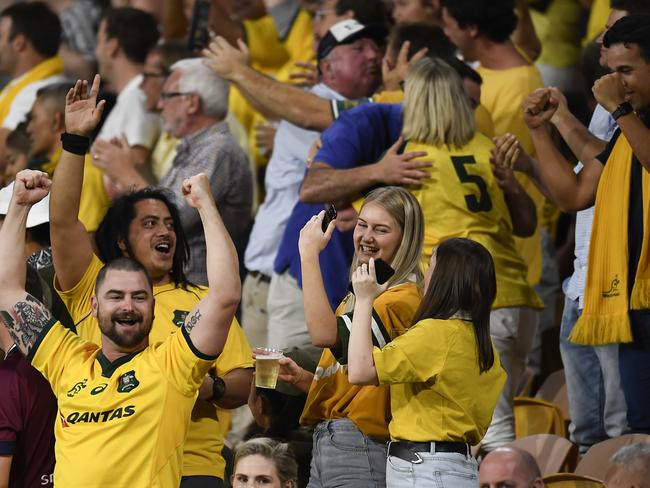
pixel 168 95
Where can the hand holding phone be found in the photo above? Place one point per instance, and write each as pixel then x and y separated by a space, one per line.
pixel 383 273
pixel 330 214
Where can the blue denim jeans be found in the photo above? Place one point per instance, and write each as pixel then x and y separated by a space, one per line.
pixel 635 372
pixel 596 400
pixel 344 457
pixel 438 470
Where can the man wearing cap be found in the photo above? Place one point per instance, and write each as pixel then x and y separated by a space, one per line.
pixel 349 60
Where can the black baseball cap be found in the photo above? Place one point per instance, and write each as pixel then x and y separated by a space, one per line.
pixel 348 31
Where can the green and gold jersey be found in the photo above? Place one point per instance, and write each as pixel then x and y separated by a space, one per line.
pixel 331 396
pixel 463 199
pixel 205 439
pixel 121 424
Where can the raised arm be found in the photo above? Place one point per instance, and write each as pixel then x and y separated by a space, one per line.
pixel 583 144
pixel 326 184
pixel 521 207
pixel 321 321
pixel 22 314
pixel 569 191
pixel 71 247
pixel 610 93
pixel 361 365
pixel 210 320
pixel 276 100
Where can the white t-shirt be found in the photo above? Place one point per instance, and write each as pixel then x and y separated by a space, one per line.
pixel 130 118
pixel 23 102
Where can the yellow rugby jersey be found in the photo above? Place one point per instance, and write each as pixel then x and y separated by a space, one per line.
pixel 205 439
pixel 331 396
pixel 437 392
pixel 502 93
pixel 94 199
pixel 120 424
pixel 462 199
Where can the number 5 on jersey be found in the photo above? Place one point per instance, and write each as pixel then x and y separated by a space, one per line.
pixel 481 204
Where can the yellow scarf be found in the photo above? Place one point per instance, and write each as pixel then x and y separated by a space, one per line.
pixel 605 318
pixel 50 67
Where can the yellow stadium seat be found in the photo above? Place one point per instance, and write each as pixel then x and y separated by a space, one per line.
pixel 570 480
pixel 596 460
pixel 535 416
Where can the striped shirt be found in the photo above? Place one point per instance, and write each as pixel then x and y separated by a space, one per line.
pixel 603 126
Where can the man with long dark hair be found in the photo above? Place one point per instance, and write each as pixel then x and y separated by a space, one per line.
pixel 146 226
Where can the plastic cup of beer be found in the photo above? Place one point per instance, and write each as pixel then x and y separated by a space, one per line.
pixel 267 367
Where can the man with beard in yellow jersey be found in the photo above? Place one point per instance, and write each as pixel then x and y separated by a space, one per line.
pixel 124 407
pixel 146 226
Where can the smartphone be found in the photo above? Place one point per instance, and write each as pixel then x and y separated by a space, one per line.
pixel 330 214
pixel 198 36
pixel 383 272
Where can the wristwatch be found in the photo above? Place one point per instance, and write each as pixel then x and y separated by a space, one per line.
pixel 218 388
pixel 623 109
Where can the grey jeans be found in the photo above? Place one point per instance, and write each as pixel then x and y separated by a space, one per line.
pixel 344 457
pixel 512 330
pixel 437 470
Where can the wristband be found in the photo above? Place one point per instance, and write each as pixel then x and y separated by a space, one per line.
pixel 623 109
pixel 218 388
pixel 75 144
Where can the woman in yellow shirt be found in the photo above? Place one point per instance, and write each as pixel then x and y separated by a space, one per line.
pixel 444 374
pixel 352 422
pixel 464 198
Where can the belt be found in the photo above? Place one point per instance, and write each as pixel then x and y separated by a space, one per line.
pixel 261 276
pixel 408 451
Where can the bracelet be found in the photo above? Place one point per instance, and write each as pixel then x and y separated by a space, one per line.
pixel 295 382
pixel 75 144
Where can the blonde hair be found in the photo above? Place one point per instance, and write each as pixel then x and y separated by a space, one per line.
pixel 436 108
pixel 406 211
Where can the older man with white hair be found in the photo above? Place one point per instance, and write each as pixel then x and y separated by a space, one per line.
pixel 194 105
pixel 630 467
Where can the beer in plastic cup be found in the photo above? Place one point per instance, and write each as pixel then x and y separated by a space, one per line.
pixel 267 367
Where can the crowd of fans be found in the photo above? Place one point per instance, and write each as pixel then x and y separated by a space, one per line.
pixel 406 197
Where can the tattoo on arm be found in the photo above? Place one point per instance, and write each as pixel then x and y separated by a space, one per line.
pixel 192 320
pixel 25 321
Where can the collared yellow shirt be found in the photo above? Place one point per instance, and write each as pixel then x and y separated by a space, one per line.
pixel 120 424
pixel 437 392
pixel 331 396
pixel 205 440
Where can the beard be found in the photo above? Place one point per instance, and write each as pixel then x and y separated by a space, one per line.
pixel 128 338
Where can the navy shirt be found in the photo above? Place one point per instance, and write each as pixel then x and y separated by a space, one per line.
pixel 359 136
pixel 27 414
